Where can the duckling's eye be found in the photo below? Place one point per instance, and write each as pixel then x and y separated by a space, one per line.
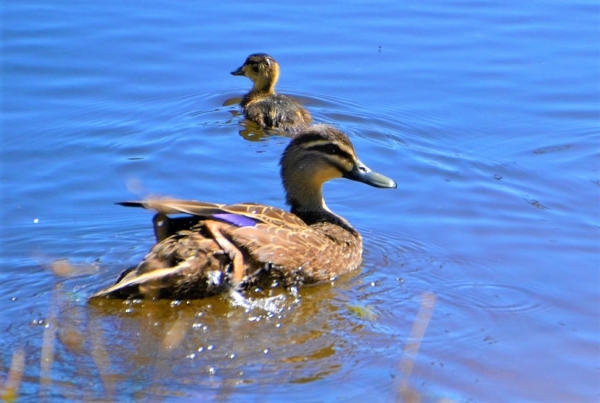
pixel 255 68
pixel 331 149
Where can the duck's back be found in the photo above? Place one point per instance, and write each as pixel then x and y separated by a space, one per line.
pixel 276 111
pixel 297 256
pixel 192 260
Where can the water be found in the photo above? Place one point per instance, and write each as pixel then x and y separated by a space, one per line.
pixel 486 114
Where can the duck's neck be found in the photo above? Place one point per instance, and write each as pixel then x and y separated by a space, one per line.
pixel 308 204
pixel 305 197
pixel 263 87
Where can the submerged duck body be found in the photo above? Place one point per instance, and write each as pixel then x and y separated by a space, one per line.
pixel 216 247
pixel 262 105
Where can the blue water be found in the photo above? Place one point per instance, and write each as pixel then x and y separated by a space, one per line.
pixel 486 113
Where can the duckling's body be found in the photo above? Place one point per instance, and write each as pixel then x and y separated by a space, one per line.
pixel 262 105
pixel 218 246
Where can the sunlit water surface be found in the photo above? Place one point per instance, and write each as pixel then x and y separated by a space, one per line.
pixel 486 114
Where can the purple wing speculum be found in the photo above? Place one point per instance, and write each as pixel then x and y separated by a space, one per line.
pixel 235 219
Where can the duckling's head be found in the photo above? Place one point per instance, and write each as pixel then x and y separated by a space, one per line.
pixel 316 155
pixel 262 69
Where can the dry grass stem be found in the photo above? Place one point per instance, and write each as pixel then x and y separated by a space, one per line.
pixel 411 348
pixel 10 391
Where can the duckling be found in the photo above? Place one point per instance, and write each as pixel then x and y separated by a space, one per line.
pixel 262 105
pixel 218 247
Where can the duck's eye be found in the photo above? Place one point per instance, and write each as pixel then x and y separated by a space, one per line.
pixel 255 68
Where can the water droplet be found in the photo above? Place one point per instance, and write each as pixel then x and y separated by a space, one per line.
pixel 232 356
pixel 212 371
pixel 266 351
pixel 35 221
pixel 210 347
pixel 214 277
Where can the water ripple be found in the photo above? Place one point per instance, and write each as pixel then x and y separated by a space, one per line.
pixel 493 297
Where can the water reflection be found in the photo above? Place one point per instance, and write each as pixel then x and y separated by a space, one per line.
pixel 250 130
pixel 380 128
pixel 217 345
pixel 128 348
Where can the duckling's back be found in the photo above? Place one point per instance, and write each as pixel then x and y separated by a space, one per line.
pixel 276 111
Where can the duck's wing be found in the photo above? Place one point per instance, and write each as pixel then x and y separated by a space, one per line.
pixel 265 233
pixel 205 253
pixel 240 214
pixel 224 245
pixel 198 276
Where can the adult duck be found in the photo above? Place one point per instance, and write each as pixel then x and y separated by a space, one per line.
pixel 216 247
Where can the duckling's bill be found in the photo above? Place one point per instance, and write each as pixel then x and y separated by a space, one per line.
pixel 238 72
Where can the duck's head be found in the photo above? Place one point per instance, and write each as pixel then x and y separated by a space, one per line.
pixel 316 155
pixel 262 69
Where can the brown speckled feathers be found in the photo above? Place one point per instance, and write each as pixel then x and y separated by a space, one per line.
pixel 214 246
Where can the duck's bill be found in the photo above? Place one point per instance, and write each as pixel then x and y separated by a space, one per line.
pixel 238 72
pixel 362 173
